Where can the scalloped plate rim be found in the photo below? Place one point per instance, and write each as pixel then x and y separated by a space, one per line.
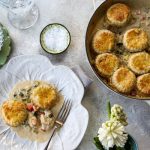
pixel 79 82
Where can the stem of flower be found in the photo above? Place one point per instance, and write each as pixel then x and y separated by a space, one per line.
pixel 109 109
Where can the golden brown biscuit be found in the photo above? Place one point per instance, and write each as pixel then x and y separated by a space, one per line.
pixel 139 62
pixel 124 80
pixel 103 41
pixel 135 40
pixel 106 64
pixel 44 96
pixel 14 112
pixel 118 14
pixel 143 83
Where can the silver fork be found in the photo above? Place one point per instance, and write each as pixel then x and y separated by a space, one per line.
pixel 61 118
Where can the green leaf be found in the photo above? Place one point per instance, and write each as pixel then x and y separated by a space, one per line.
pixel 98 143
pixel 5 50
pixel 109 109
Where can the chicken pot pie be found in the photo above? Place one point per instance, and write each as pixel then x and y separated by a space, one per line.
pixel 139 62
pixel 103 41
pixel 32 108
pixel 106 63
pixel 14 112
pixel 130 44
pixel 118 14
pixel 143 83
pixel 124 80
pixel 44 96
pixel 135 40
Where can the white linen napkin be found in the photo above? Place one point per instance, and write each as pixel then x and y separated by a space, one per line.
pixel 86 81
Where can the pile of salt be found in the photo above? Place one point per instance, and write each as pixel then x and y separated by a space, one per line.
pixel 56 38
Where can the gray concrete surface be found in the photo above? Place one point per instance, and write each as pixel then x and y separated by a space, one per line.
pixel 75 14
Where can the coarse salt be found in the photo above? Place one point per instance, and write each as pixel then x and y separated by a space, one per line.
pixel 56 38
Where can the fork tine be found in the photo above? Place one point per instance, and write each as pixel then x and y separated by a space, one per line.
pixel 67 112
pixel 61 110
pixel 64 110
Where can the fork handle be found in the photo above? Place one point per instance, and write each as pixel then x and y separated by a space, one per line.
pixel 53 131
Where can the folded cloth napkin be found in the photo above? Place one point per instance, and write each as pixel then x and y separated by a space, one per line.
pixel 86 81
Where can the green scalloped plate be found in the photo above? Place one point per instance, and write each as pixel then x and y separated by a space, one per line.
pixel 6 48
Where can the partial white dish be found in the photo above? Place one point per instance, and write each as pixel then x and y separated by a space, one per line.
pixel 37 67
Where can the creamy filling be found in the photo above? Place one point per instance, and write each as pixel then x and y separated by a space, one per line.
pixel 40 121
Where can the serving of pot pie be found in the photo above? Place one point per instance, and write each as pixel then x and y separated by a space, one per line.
pixel 31 109
pixel 120 51
pixel 14 112
pixel 44 96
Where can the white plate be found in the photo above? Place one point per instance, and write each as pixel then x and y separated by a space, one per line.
pixel 38 67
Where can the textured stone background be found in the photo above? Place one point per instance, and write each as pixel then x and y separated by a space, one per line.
pixel 75 14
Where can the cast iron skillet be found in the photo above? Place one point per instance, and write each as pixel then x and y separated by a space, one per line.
pixel 95 19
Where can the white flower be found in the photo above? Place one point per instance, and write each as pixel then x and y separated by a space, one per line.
pixel 112 133
pixel 1 38
pixel 118 114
